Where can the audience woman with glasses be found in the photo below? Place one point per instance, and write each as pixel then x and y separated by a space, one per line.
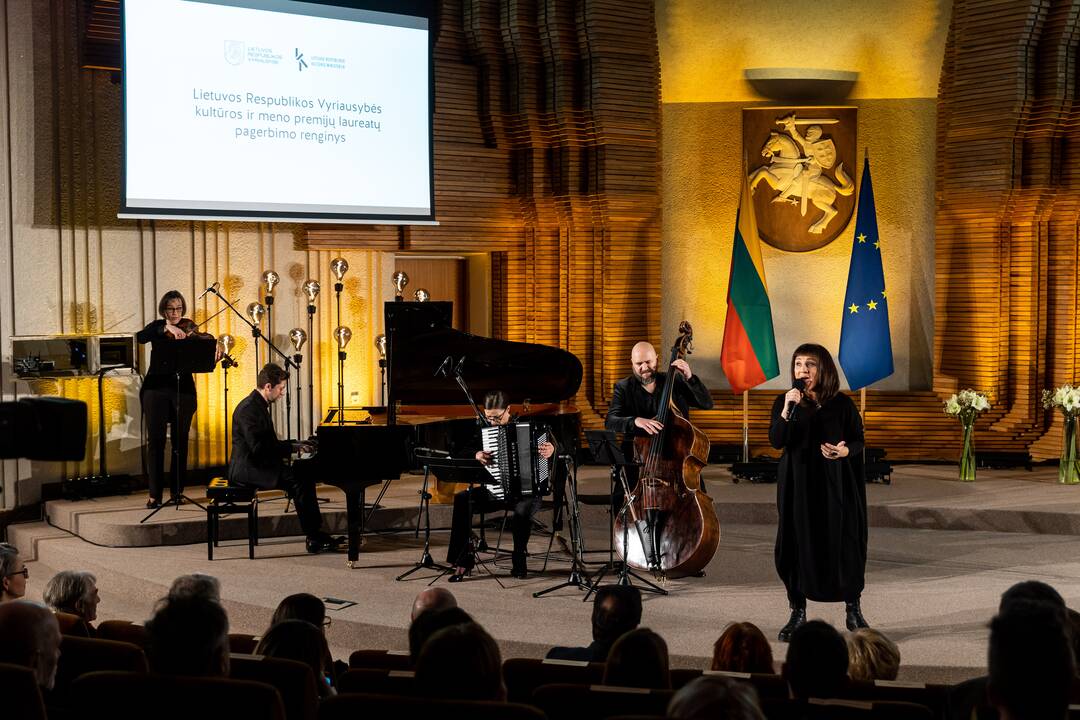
pixel 13 573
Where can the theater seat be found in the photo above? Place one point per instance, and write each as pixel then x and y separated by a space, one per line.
pixel 354 706
pixel 383 682
pixel 294 680
pixel 73 625
pixel 381 659
pixel 131 696
pixel 242 643
pixel 21 696
pixel 122 630
pixel 79 656
pixel 523 675
pixel 590 702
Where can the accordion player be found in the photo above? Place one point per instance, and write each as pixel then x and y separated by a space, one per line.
pixel 519 489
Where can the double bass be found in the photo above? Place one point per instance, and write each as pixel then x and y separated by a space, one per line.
pixel 670 525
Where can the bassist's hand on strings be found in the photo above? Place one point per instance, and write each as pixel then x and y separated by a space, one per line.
pixel 649 425
pixel 683 367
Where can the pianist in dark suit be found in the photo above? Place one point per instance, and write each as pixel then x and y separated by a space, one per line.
pixel 258 456
pixel 459 553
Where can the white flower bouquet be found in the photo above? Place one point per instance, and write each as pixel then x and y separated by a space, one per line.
pixel 965 406
pixel 1067 399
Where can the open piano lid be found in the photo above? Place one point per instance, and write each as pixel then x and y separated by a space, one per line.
pixel 420 338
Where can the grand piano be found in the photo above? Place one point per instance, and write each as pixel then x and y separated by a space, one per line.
pixel 426 408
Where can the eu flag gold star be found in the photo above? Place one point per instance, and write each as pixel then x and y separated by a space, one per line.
pixel 877 244
pixel 854 308
pixel 882 293
pixel 872 305
pixel 861 238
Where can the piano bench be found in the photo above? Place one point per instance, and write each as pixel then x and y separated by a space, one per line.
pixel 226 499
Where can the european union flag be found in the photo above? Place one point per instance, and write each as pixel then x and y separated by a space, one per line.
pixel 865 344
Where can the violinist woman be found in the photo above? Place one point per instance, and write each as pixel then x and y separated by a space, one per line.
pixel 167 397
pixel 820 491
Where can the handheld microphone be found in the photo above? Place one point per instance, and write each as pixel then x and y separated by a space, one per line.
pixel 207 291
pixel 444 367
pixel 800 385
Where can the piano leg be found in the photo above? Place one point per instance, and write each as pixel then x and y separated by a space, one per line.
pixel 354 512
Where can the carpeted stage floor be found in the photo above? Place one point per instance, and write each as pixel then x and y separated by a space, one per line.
pixel 941 553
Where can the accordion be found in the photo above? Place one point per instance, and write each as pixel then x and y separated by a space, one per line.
pixel 516 464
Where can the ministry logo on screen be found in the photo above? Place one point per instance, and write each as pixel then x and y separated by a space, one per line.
pixel 300 64
pixel 234 52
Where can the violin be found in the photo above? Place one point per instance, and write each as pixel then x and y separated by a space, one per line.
pixel 672 529
pixel 189 327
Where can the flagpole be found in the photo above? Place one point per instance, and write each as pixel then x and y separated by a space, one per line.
pixel 746 426
pixel 862 413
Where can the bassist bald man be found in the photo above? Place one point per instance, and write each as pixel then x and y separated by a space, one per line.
pixel 634 407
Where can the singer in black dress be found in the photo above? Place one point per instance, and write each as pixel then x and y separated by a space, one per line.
pixel 166 399
pixel 821 491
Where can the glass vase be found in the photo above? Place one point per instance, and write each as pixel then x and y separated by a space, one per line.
pixel 1069 465
pixel 967 454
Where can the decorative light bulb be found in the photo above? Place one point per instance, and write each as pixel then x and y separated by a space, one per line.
pixel 270 279
pixel 311 289
pixel 339 266
pixel 298 338
pixel 422 295
pixel 380 345
pixel 227 342
pixel 256 311
pixel 342 335
pixel 400 281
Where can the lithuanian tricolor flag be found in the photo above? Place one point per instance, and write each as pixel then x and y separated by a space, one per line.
pixel 749 353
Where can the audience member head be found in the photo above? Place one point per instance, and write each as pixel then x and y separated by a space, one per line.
pixel 75 592
pixel 13 573
pixel 710 697
pixel 196 585
pixel 1030 661
pixel 1031 591
pixel 460 662
pixel 638 659
pixel 742 647
pixel 817 661
pixel 429 622
pixel 188 636
pixel 301 606
pixel 616 611
pixel 31 638
pixel 433 598
pixel 872 656
pixel 301 641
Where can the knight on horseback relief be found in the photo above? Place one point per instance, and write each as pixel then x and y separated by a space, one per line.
pixel 803 198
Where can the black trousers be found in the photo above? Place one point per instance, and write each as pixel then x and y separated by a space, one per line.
pixel 483 501
pixel 159 406
pixel 797 600
pixel 299 482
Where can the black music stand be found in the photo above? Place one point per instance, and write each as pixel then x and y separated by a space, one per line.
pixel 578 578
pixel 450 470
pixel 193 354
pixel 606 450
pixel 476 476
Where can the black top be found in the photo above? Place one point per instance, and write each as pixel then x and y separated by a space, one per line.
pixel 257 453
pixel 632 400
pixel 821 538
pixel 161 375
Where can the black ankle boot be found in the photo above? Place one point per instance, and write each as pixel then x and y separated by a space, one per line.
pixel 855 619
pixel 798 617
